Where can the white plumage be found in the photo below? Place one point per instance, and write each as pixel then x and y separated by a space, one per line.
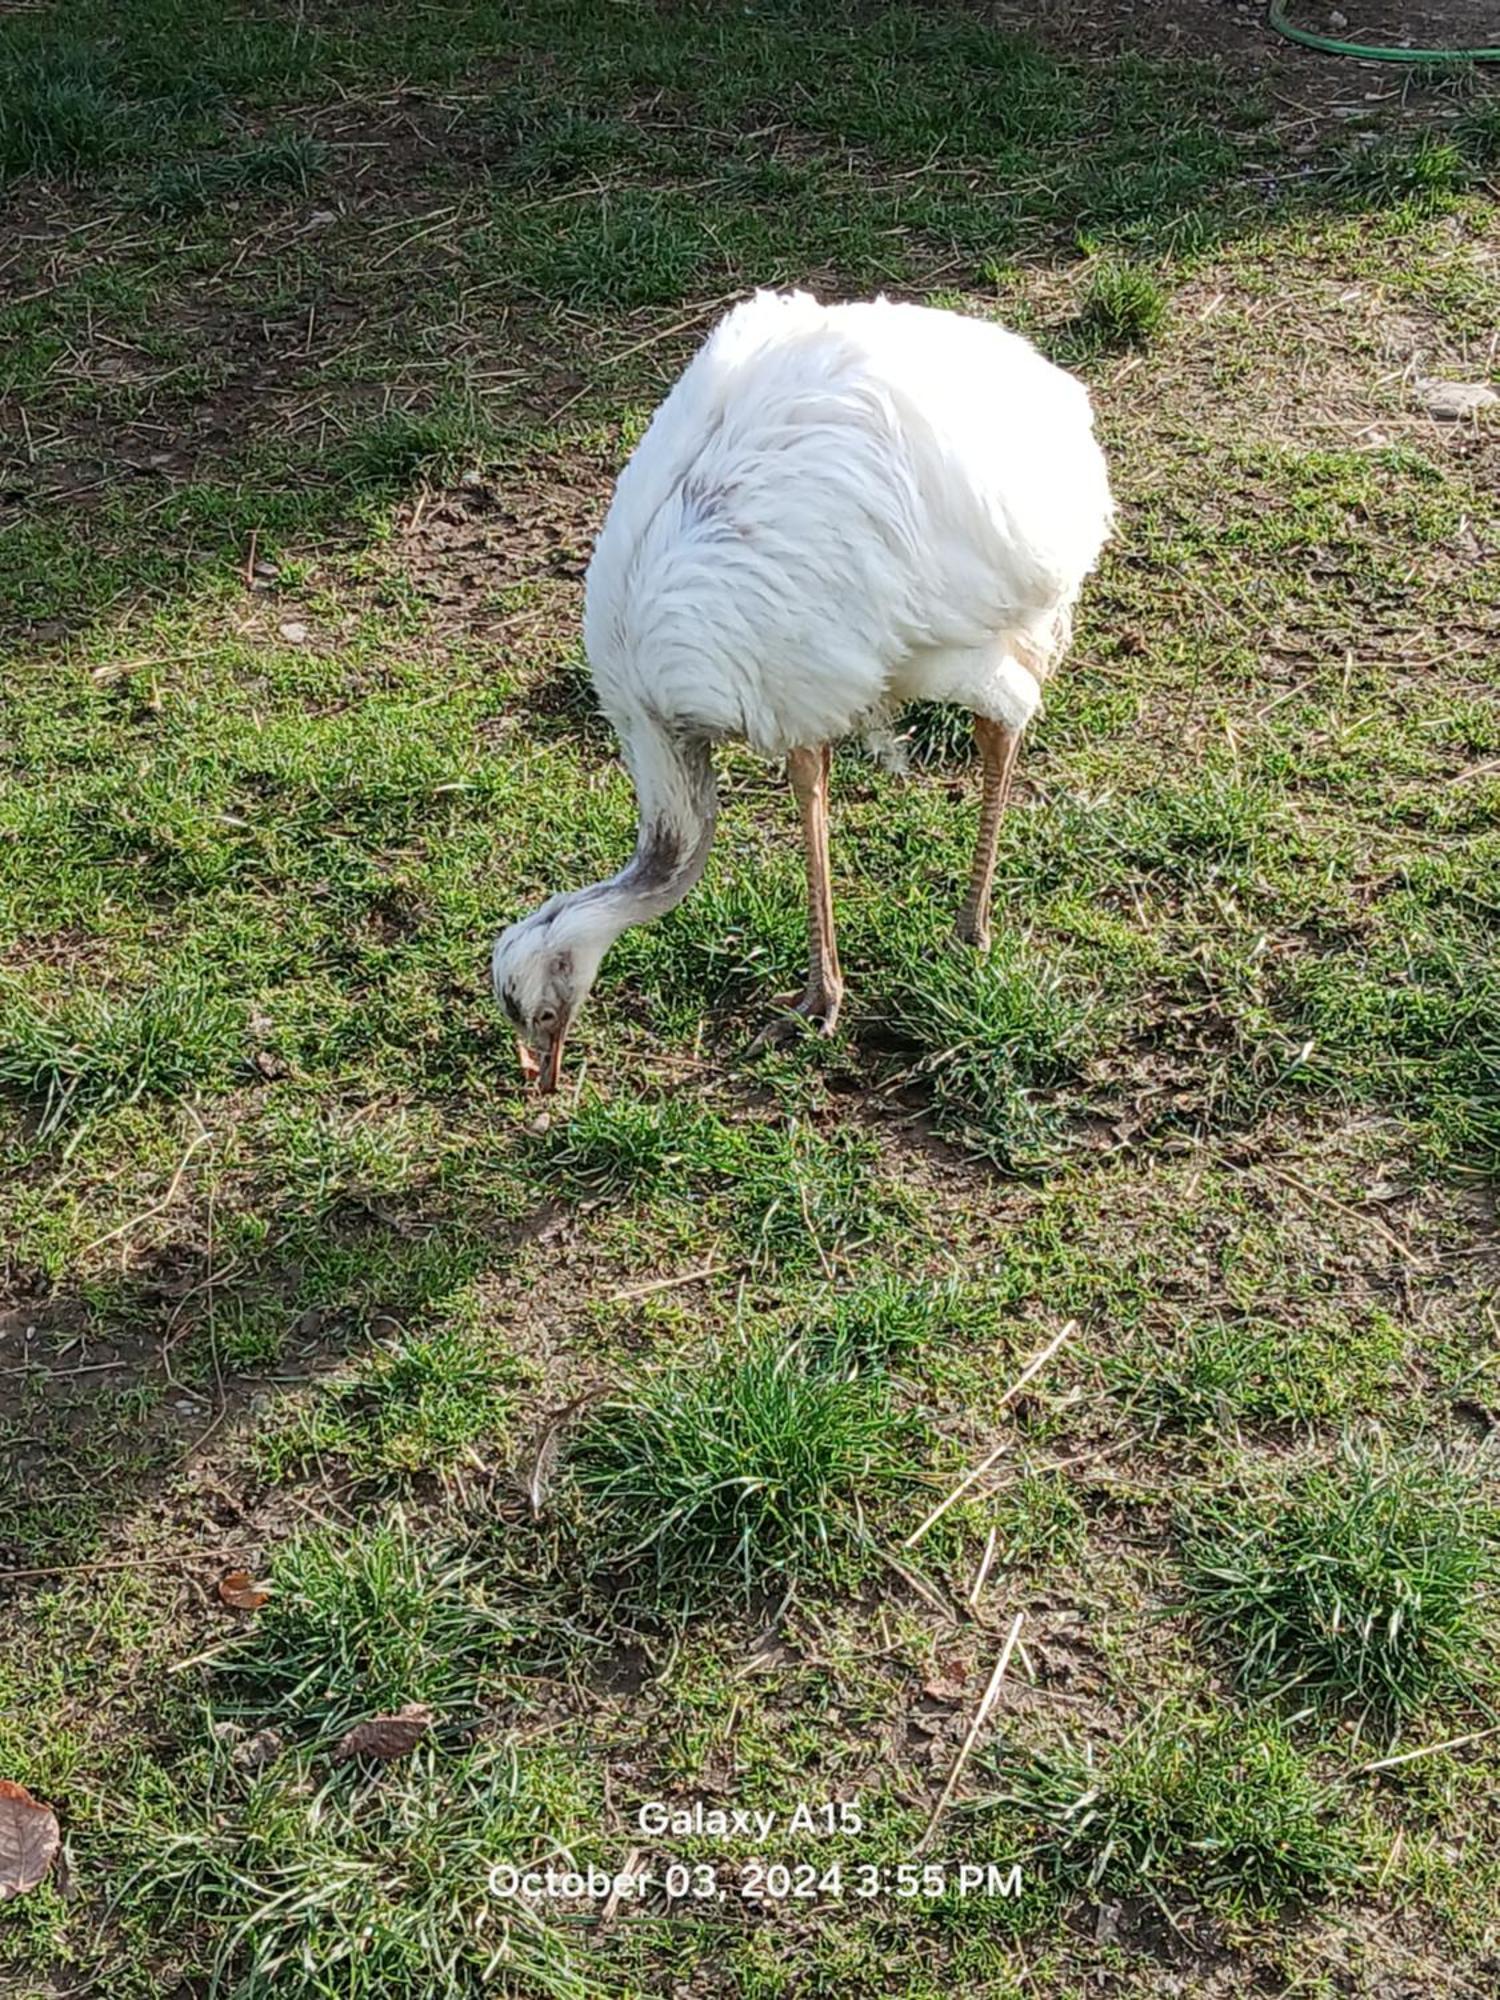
pixel 837 510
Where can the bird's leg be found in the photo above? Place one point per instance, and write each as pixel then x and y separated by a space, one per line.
pixel 999 747
pixel 819 1003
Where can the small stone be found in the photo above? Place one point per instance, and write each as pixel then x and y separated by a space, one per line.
pixel 257 1750
pixel 1450 401
pixel 1338 20
pixel 294 633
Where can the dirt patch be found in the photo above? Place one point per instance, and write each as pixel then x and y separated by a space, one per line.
pixel 495 556
pixel 1237 32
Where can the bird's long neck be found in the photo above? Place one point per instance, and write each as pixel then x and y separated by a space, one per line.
pixel 675 791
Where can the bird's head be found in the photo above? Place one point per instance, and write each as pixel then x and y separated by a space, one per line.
pixel 543 970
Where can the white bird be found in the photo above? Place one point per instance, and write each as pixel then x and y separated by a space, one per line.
pixel 837 510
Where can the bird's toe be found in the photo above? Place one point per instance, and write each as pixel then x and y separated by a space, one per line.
pixel 815 1011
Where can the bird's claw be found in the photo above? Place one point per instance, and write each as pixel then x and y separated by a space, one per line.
pixel 816 1010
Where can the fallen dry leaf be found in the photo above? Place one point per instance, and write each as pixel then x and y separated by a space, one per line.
pixel 946 1687
pixel 240 1591
pixel 387 1736
pixel 29 1840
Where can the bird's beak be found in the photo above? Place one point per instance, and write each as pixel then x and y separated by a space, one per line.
pixel 542 1073
pixel 551 1065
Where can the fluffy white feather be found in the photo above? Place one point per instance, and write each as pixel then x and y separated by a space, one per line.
pixel 839 509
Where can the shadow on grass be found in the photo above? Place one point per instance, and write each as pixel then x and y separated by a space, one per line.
pixel 309 311
pixel 114 1384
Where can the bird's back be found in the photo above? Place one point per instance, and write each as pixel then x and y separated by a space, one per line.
pixel 830 498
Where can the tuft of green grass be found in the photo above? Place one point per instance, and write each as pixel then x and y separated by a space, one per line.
pixel 57 114
pixel 748 1470
pixel 991 1032
pixel 1209 827
pixel 797 1196
pixel 938 733
pixel 396 447
pixel 1189 1809
pixel 282 164
pixel 1220 1371
pixel 1410 1021
pixel 618 1148
pixel 1122 305
pixel 92 1052
pixel 1425 172
pixel 358 1625
pixel 739 937
pixel 1479 132
pixel 1357 1582
pixel 419 1405
pixel 889 1320
pixel 76 109
pixel 304 1883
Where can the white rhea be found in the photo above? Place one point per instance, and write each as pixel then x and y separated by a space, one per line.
pixel 837 510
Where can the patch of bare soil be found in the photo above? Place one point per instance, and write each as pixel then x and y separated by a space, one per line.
pixel 472 549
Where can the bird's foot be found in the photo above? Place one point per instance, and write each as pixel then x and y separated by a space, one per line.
pixel 972 930
pixel 816 1009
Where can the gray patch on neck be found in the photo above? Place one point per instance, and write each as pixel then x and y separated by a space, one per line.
pixel 670 852
pixel 658 855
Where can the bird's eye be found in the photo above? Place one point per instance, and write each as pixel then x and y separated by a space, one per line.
pixel 546 1018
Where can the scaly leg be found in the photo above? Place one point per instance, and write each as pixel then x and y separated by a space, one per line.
pixel 819 1003
pixel 999 747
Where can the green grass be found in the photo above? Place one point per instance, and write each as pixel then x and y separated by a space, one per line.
pixel 1190 1810
pixel 1359 1584
pixel 1415 1021
pixel 70 111
pixel 312 1881
pixel 890 1322
pixel 1426 174
pixel 324 333
pixel 426 1403
pixel 284 163
pixel 1039 1522
pixel 1219 1373
pixel 740 1472
pixel 78 1055
pixel 1121 306
pixel 361 1625
pixel 792 1194
pixel 993 1033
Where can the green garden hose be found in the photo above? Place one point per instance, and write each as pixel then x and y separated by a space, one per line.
pixel 1276 18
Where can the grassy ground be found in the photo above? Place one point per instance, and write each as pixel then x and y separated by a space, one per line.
pixel 324 331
